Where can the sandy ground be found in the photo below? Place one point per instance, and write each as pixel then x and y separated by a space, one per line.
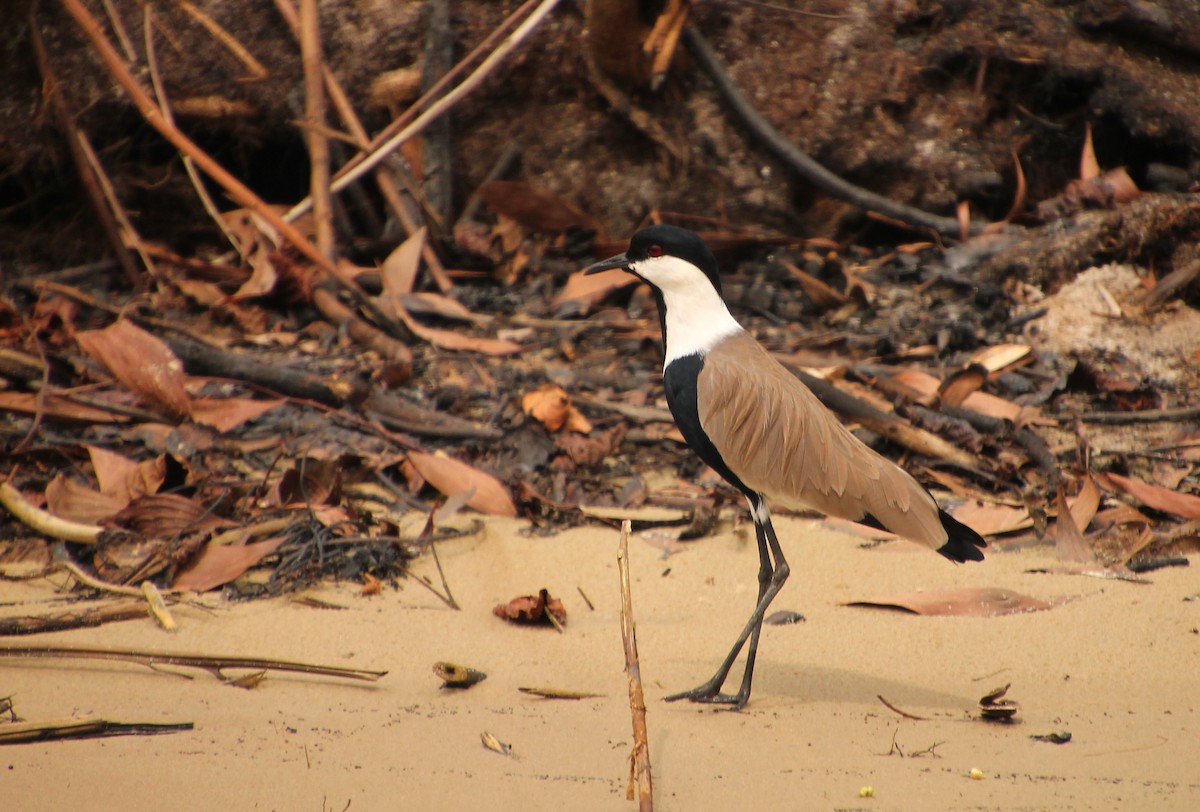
pixel 1117 666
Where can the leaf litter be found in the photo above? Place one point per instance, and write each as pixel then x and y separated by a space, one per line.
pixel 336 404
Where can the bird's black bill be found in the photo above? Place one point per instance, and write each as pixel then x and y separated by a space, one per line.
pixel 619 261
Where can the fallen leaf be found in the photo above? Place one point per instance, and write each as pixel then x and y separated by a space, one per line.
pixel 962 602
pixel 125 479
pixel 981 402
pixel 248 681
pixel 494 744
pixel 218 564
pixel 533 609
pixel 994 707
pixel 57 406
pixel 1089 167
pixel 1000 356
pixel 451 476
pixel 582 293
pixel 165 516
pixel 401 266
pixel 990 519
pixel 1173 502
pixel 454 675
pixel 225 414
pixel 68 499
pixel 440 305
pixel 1069 542
pixel 550 405
pixel 538 209
pixel 142 363
pixel 961 385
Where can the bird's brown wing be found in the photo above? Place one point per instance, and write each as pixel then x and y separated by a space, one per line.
pixel 775 434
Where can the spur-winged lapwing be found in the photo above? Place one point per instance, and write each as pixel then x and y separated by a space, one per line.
pixel 765 432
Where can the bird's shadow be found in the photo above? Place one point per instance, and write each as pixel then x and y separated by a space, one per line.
pixel 814 684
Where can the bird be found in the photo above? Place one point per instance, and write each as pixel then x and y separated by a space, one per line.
pixel 765 433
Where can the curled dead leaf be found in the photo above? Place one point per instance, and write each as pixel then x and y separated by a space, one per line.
pixel 539 609
pixel 454 675
pixel 994 707
pixel 451 476
pixel 550 405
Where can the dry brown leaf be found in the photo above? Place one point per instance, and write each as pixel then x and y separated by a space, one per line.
pixel 224 414
pixel 981 402
pixel 1089 167
pixel 312 482
pixel 142 363
pixel 68 499
pixel 990 519
pixel 550 405
pixel 451 476
pixel 962 602
pixel 450 340
pixel 538 209
pixel 218 564
pixel 1069 542
pixel 165 515
pixel 401 266
pixel 1000 356
pixel 583 293
pixel 961 385
pixel 263 275
pixel 125 479
pixel 57 406
pixel 533 609
pixel 821 294
pixel 1173 502
pixel 440 305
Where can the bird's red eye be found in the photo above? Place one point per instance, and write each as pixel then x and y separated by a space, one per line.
pixel 654 251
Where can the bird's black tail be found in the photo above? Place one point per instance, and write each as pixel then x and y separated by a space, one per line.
pixel 963 543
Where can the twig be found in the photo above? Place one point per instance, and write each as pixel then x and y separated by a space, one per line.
pixel 383 174
pixel 1147 416
pixel 189 166
pixel 801 163
pixel 903 713
pixel 214 664
pixel 639 759
pixel 402 121
pixel 453 604
pixel 436 169
pixel 257 71
pixel 46 523
pixel 72 619
pixel 90 185
pixel 54 730
pixel 235 188
pixel 350 174
pixel 314 120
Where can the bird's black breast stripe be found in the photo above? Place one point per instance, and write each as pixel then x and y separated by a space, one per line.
pixel 679 382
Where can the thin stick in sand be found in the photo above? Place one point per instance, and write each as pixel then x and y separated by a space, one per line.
pixel 639 759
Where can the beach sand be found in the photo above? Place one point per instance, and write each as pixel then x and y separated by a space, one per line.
pixel 1117 666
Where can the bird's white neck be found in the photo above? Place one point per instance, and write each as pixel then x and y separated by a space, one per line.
pixel 696 320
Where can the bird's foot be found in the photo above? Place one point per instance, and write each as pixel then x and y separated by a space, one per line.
pixel 710 694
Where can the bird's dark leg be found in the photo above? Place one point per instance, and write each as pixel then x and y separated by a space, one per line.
pixel 770 580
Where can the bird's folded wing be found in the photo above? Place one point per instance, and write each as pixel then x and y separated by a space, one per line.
pixel 774 433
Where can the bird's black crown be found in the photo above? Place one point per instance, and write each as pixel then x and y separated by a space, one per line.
pixel 673 241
